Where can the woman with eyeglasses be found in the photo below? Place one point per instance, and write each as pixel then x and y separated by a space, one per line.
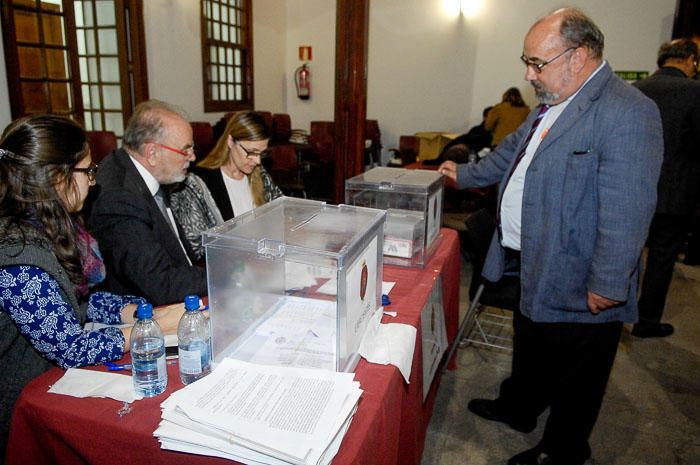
pixel 48 261
pixel 233 170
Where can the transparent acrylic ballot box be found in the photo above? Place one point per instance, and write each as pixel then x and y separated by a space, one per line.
pixel 413 201
pixel 294 283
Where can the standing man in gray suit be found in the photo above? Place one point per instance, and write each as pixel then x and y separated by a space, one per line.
pixel 577 193
pixel 678 98
pixel 139 238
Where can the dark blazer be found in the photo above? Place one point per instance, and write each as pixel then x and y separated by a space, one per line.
pixel 678 99
pixel 141 253
pixel 588 199
pixel 215 182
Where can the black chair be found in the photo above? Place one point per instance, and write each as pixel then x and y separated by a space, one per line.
pixel 488 321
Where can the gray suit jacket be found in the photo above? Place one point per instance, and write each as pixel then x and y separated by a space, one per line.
pixel 142 255
pixel 588 199
pixel 678 99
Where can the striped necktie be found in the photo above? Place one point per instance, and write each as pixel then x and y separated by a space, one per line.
pixel 518 159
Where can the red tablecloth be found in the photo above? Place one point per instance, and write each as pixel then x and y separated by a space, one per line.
pixel 388 428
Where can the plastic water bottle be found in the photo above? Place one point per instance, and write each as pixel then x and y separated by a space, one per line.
pixel 193 338
pixel 149 371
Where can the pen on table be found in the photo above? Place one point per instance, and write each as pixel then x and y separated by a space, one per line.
pixel 127 366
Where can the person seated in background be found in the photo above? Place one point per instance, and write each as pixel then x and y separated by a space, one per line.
pixel 505 117
pixel 459 149
pixel 49 261
pixel 232 170
pixel 144 248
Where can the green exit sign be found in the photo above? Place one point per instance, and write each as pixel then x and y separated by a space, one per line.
pixel 631 76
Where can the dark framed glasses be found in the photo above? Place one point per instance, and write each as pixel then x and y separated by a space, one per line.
pixel 90 172
pixel 254 153
pixel 538 66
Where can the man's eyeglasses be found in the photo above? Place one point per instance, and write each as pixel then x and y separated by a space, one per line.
pixel 254 153
pixel 538 66
pixel 188 152
pixel 90 172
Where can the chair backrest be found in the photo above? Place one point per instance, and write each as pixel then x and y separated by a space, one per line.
pixel 281 128
pixel 372 131
pixel 203 137
pixel 408 149
pixel 284 158
pixel 101 143
pixel 267 116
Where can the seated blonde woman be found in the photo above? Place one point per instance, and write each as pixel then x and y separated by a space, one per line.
pixel 232 170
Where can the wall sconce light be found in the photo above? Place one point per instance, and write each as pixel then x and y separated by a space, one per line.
pixel 470 8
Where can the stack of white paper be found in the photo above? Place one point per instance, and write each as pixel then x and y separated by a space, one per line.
pixel 259 414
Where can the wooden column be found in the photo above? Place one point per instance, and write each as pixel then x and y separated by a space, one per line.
pixel 352 36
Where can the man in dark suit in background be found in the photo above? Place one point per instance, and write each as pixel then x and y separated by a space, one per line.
pixel 678 99
pixel 130 217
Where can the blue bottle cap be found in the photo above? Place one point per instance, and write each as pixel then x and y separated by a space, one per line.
pixel 144 311
pixel 191 302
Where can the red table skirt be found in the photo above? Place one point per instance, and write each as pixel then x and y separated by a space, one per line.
pixel 388 429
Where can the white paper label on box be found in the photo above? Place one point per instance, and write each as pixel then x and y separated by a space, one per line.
pixel 396 247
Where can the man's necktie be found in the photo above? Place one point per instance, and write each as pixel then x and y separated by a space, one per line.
pixel 518 158
pixel 163 200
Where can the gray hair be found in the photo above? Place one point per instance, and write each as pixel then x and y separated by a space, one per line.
pixel 578 30
pixel 146 123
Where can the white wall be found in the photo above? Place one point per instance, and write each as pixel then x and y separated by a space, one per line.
pixel 432 71
pixel 427 70
pixel 312 23
pixel 5 115
pixel 173 51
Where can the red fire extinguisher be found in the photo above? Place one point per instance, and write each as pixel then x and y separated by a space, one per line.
pixel 302 79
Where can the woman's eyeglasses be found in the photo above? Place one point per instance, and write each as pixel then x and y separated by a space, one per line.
pixel 254 153
pixel 90 172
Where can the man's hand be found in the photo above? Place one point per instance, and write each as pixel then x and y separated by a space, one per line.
pixel 449 169
pixel 597 303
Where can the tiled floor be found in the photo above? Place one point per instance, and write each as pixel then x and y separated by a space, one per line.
pixel 650 415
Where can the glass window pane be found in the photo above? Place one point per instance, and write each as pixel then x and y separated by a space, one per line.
pixel 95 96
pixel 222 55
pixel 229 56
pixel 53 29
pixel 214 73
pixel 30 62
pixel 214 92
pixel 105 13
pixel 78 11
pixel 35 97
pixel 239 77
pixel 80 37
pixel 222 74
pixel 88 118
pixel 224 34
pixel 212 54
pixel 237 58
pixel 82 64
pixel 217 31
pixel 26 26
pixel 88 19
pixel 90 46
pixel 107 40
pixel 234 35
pixel 114 122
pixel 97 122
pixel 112 97
pixel 231 94
pixel 56 63
pixel 222 91
pixel 215 11
pixel 87 102
pixel 229 74
pixel 92 69
pixel 109 69
pixel 224 15
pixel 60 100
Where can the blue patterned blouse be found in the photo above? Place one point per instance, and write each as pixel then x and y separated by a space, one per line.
pixel 32 299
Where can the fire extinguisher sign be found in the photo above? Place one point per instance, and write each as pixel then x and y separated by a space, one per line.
pixel 305 53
